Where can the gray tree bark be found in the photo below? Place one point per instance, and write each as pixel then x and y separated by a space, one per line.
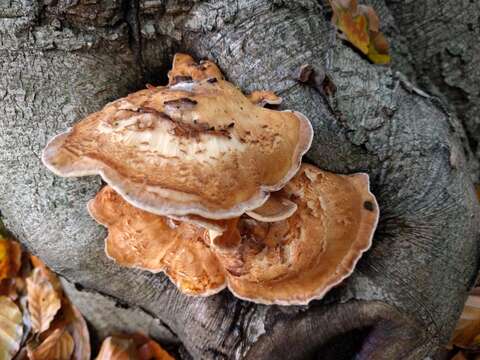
pixel 62 59
pixel 443 40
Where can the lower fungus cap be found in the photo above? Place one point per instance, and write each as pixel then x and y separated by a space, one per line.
pixel 192 148
pixel 156 243
pixel 286 262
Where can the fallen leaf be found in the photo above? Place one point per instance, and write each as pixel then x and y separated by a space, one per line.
pixel 378 49
pixel 78 328
pixel 57 346
pixel 118 348
pixel 49 274
pixel 360 25
pixel 128 347
pixel 72 320
pixel 10 257
pixel 10 328
pixel 43 301
pixel 467 332
pixel 351 23
pixel 459 356
pixel 153 351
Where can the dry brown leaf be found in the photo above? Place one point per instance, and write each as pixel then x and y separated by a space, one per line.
pixel 49 274
pixel 467 332
pixel 77 327
pixel 360 25
pixel 10 257
pixel 10 328
pixel 79 330
pixel 43 300
pixel 71 319
pixel 118 348
pixel 57 346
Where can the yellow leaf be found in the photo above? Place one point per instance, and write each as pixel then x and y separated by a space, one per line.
pixel 43 300
pixel 10 328
pixel 378 49
pixel 57 346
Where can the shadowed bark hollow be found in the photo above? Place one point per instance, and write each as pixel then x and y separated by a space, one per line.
pixel 61 60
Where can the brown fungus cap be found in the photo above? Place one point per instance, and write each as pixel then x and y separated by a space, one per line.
pixel 185 68
pixel 198 147
pixel 287 262
pixel 156 243
pixel 299 259
pixel 276 208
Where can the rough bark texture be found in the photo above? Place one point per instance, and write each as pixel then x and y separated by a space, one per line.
pixel 443 39
pixel 61 60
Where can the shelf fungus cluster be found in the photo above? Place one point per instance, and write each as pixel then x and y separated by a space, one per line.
pixel 208 186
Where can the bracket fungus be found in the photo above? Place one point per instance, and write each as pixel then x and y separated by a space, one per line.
pixel 290 261
pixel 199 146
pixel 207 185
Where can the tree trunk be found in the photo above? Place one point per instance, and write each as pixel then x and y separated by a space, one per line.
pixel 446 54
pixel 61 60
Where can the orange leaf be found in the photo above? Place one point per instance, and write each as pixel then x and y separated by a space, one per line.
pixel 10 258
pixel 467 332
pixel 153 351
pixel 118 348
pixel 43 300
pixel 378 49
pixel 372 17
pixel 11 329
pixel 352 25
pixel 360 26
pixel 58 345
pixel 128 347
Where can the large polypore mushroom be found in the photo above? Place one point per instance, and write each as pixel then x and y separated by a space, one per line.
pixel 197 146
pixel 290 261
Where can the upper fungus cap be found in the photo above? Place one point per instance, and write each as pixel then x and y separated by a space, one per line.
pixel 294 261
pixel 198 147
pixel 156 243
